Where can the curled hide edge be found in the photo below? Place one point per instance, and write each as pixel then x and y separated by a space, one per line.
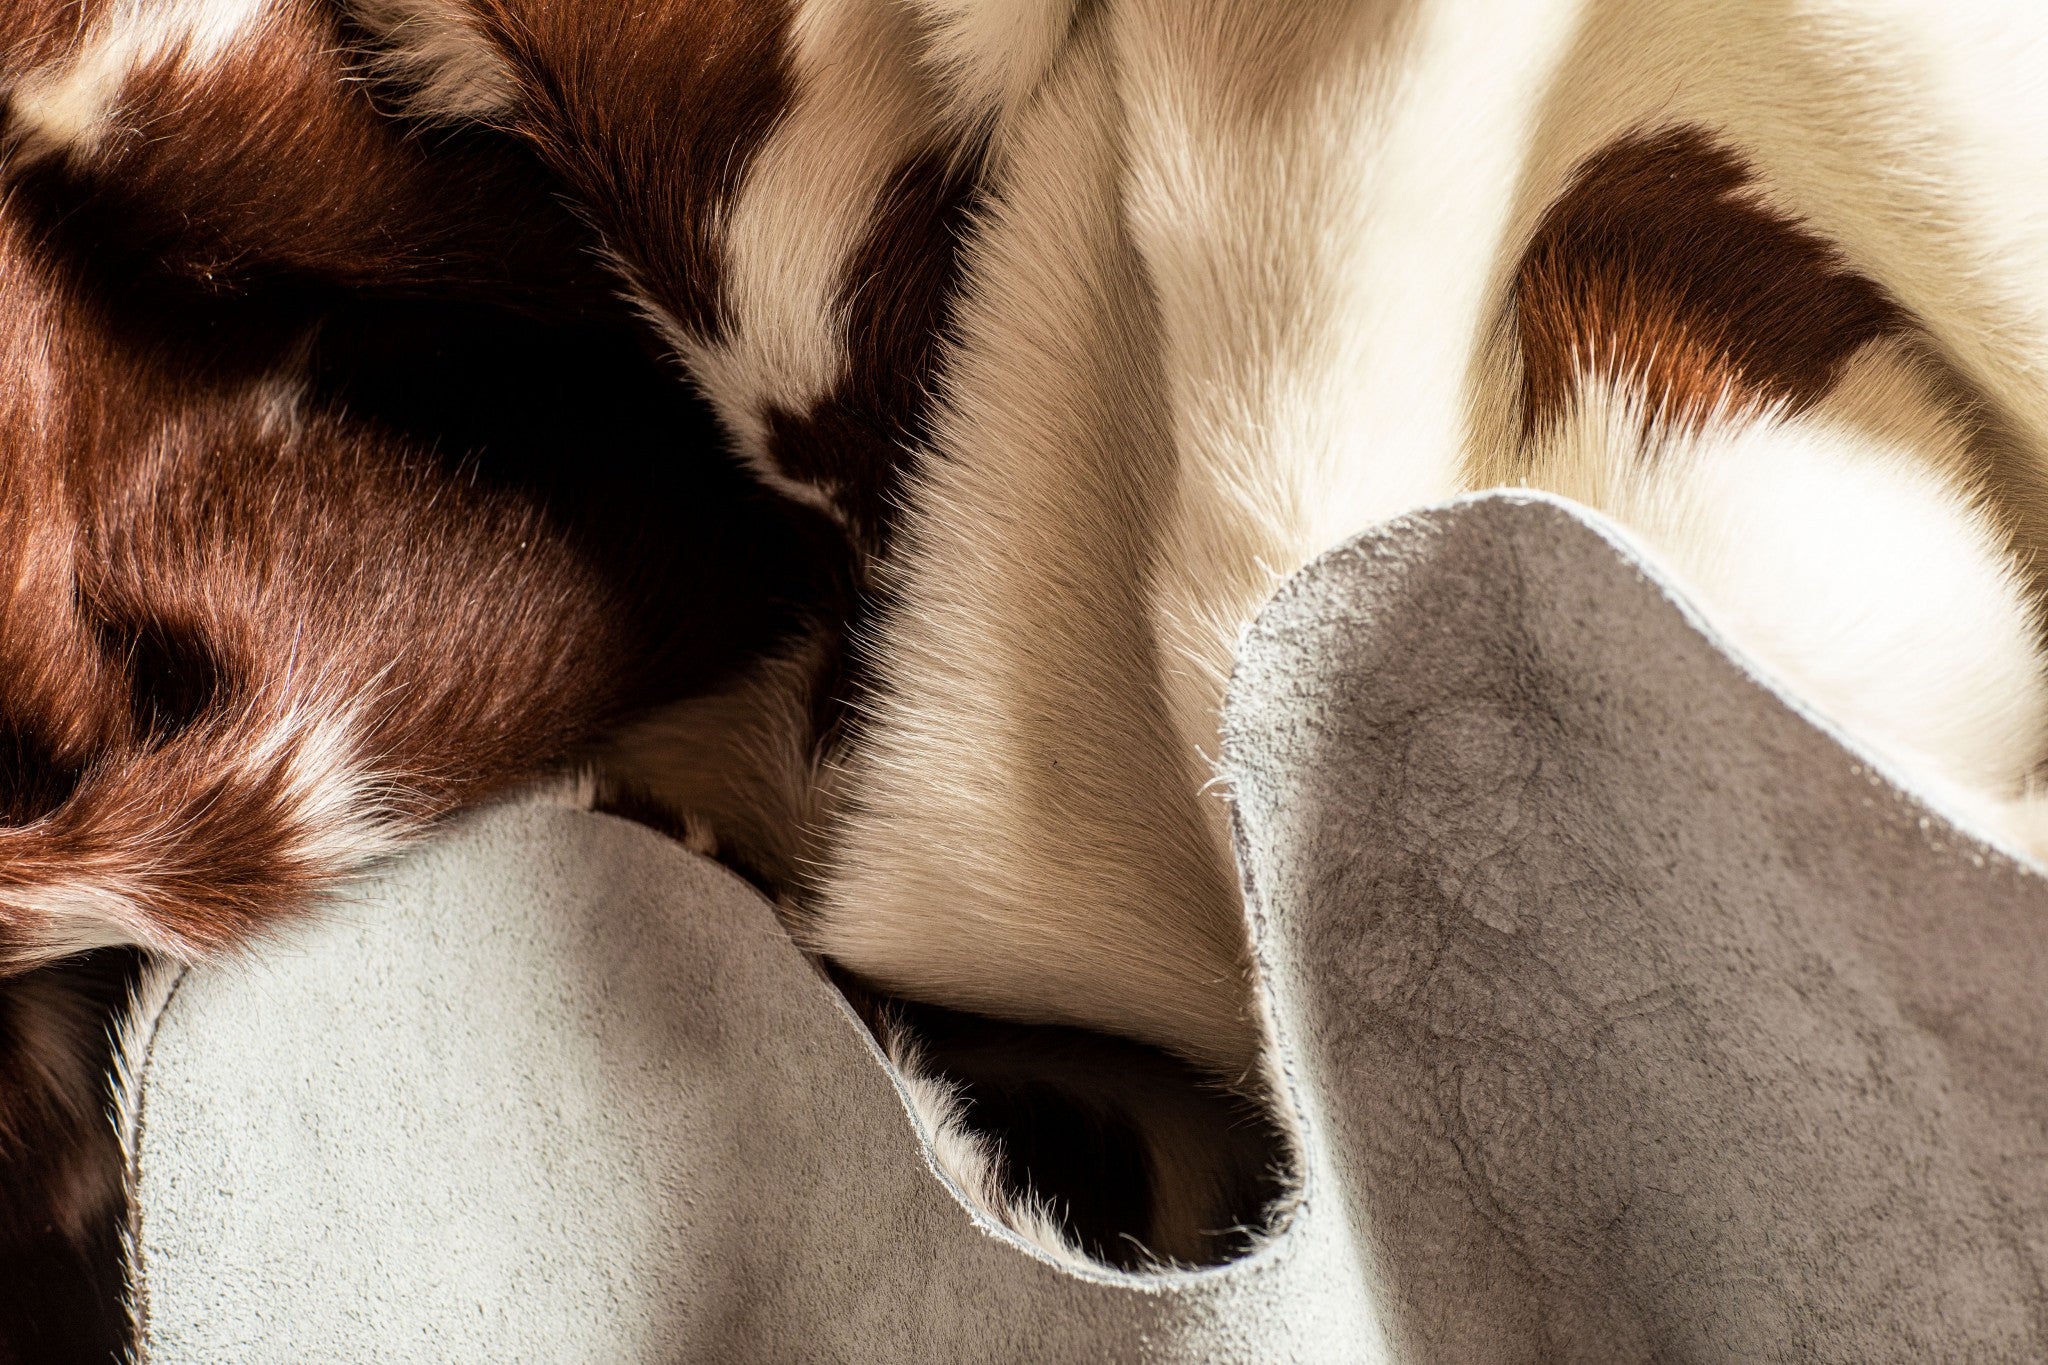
pixel 1625 1012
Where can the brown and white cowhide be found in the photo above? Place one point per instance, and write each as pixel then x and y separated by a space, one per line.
pixel 1760 281
pixel 255 631
pixel 1081 326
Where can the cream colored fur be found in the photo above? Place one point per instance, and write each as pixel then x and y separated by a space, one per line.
pixel 1073 845
pixel 991 55
pixel 1324 204
pixel 1241 288
pixel 1845 557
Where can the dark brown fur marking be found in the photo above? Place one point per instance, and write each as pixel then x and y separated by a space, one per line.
pixel 270 163
pixel 859 440
pixel 652 114
pixel 1655 267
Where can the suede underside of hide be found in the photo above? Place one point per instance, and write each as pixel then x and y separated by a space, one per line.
pixel 1627 1012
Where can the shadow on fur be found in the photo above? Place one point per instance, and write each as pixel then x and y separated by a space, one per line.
pixel 1113 1151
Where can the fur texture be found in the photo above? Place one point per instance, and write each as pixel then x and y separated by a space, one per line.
pixel 439 63
pixel 1076 328
pixel 991 56
pixel 225 635
pixel 1660 270
pixel 770 182
pixel 968 1159
pixel 1343 319
pixel 71 107
pixel 134 1035
pixel 248 641
pixel 1057 453
pixel 266 163
pixel 1242 278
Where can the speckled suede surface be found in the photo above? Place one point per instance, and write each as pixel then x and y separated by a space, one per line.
pixel 1630 1017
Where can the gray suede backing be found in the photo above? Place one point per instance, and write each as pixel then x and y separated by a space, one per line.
pixel 554 1089
pixel 1634 1017
pixel 1629 1015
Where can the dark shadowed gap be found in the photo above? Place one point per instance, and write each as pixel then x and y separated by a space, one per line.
pixel 175 676
pixel 578 414
pixel 1141 1158
pixel 33 780
pixel 61 1304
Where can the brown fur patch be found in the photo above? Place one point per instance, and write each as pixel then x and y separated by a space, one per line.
pixel 269 162
pixel 652 113
pixel 33 32
pixel 859 440
pixel 1658 268
pixel 213 573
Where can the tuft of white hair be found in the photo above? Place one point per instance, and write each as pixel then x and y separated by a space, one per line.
pixel 134 1036
pixel 446 66
pixel 973 1163
pixel 1841 550
pixel 67 108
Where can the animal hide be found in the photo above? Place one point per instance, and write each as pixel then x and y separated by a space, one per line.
pixel 1238 279
pixel 1064 332
pixel 254 632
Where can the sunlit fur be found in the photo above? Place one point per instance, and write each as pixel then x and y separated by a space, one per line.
pixel 1899 615
pixel 1328 206
pixel 1244 278
pixel 1083 325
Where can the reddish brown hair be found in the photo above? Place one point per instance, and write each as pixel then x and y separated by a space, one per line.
pixel 1658 266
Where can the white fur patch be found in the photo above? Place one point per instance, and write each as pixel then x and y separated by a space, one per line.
pixel 434 51
pixel 860 111
pixel 342 811
pixel 85 915
pixel 1837 550
pixel 991 55
pixel 1322 266
pixel 66 109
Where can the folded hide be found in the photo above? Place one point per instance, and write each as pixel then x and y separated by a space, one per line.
pixel 1626 1013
